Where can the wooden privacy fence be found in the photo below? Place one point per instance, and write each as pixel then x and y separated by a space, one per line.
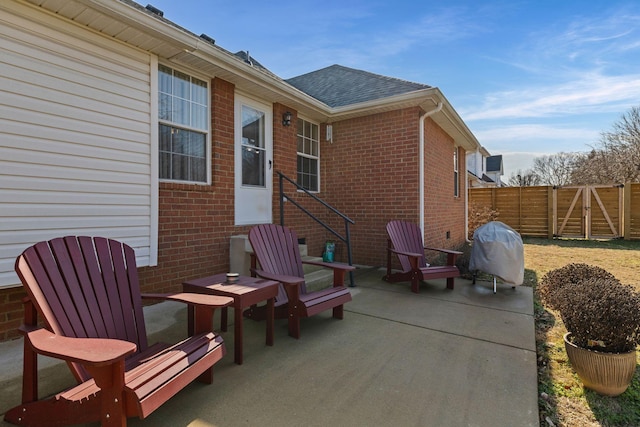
pixel 592 212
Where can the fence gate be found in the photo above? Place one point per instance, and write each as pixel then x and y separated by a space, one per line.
pixel 591 211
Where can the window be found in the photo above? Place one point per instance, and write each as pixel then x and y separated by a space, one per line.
pixel 456 190
pixel 308 155
pixel 183 113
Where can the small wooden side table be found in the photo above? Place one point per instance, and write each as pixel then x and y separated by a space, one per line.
pixel 246 292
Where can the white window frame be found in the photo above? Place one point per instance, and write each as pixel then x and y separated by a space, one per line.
pixel 206 130
pixel 300 134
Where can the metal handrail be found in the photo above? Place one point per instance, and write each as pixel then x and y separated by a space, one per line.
pixel 346 238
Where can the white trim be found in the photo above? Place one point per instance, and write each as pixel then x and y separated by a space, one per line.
pixel 207 132
pixel 253 205
pixel 309 156
pixel 155 163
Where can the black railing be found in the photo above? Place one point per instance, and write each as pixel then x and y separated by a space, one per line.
pixel 346 238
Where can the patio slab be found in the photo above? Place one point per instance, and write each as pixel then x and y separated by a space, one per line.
pixel 462 357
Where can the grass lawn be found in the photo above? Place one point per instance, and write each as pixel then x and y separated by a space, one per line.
pixel 562 399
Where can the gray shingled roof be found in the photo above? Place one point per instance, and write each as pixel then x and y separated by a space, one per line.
pixel 338 86
pixel 494 163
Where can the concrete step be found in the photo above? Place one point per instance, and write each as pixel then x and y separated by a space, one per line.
pixel 316 277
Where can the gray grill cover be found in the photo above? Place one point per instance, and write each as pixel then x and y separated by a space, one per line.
pixel 497 249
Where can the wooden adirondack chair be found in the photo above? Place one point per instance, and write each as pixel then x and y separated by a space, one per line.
pixel 87 292
pixel 405 240
pixel 276 250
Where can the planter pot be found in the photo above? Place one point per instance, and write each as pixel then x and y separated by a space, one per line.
pixel 608 374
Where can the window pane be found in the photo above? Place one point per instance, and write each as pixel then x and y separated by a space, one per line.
pixel 165 138
pixel 199 117
pixel 164 79
pixel 179 140
pixel 198 169
pixel 165 165
pixel 164 107
pixel 252 127
pixel 180 167
pixel 199 92
pixel 181 114
pixel 181 85
pixel 252 167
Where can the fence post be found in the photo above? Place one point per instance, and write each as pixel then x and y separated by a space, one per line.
pixel 551 221
pixel 626 217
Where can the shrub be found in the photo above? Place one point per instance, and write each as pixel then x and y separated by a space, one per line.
pixel 480 215
pixel 462 261
pixel 553 281
pixel 600 313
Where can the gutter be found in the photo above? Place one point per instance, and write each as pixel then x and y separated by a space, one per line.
pixel 421 157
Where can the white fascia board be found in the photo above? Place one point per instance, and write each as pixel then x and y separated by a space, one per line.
pixel 141 21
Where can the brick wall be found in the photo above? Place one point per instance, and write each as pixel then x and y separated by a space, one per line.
pixel 370 173
pixel 443 212
pixel 11 312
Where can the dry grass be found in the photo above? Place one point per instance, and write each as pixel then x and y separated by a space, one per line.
pixel 563 401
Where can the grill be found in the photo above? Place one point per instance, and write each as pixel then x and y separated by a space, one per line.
pixel 498 250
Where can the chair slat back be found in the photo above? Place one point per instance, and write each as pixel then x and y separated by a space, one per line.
pixel 85 287
pixel 277 251
pixel 407 237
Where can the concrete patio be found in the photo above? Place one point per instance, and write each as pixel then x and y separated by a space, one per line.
pixel 462 357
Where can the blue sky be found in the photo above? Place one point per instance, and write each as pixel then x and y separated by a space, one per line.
pixel 528 77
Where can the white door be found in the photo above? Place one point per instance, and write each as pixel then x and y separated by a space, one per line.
pixel 253 162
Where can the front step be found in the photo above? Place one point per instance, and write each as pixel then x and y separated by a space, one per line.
pixel 316 277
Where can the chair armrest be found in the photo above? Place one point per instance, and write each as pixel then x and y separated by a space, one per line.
pixel 332 265
pixel 446 251
pixel 292 284
pixel 409 254
pixel 339 270
pixel 451 255
pixel 285 280
pixel 193 299
pixel 86 351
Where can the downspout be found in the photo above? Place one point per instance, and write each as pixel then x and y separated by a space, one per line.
pixel 466 198
pixel 421 156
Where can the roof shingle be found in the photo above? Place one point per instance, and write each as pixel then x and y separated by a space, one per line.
pixel 338 86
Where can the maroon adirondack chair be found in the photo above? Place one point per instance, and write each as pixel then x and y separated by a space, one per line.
pixel 276 250
pixel 86 290
pixel 405 240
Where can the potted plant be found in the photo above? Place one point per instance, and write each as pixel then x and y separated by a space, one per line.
pixel 602 317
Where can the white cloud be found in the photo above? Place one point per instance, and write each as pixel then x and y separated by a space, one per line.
pixel 513 162
pixel 592 93
pixel 527 132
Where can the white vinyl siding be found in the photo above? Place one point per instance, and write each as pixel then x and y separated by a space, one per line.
pixel 78 145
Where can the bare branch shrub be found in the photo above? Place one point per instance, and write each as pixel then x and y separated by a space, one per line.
pixel 600 312
pixel 480 215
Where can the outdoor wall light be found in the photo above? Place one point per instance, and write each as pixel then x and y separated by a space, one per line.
pixel 286 119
